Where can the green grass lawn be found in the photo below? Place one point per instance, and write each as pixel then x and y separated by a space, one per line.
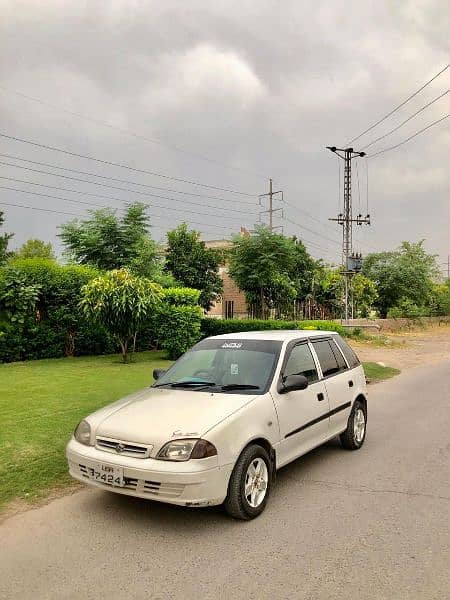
pixel 41 403
pixel 375 372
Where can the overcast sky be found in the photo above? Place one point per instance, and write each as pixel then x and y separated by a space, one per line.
pixel 231 93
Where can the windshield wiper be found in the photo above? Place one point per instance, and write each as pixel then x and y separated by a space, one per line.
pixel 176 384
pixel 239 386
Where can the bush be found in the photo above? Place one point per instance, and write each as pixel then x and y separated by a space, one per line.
pixel 212 326
pixel 56 326
pixel 177 324
pixel 408 310
pixel 181 296
pixel 179 329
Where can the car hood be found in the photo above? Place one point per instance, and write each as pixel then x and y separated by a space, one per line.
pixel 155 416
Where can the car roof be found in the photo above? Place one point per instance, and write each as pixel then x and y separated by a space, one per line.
pixel 280 335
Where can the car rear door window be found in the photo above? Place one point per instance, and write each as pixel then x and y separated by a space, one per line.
pixel 351 357
pixel 338 354
pixel 327 358
pixel 301 362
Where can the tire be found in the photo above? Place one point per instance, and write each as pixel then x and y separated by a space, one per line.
pixel 253 459
pixel 355 434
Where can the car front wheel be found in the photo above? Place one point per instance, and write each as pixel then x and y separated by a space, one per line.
pixel 355 434
pixel 250 482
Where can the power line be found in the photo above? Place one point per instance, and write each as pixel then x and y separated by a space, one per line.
pixel 50 210
pixel 145 195
pixel 131 133
pixel 122 166
pixel 99 205
pixel 410 137
pixel 406 120
pixel 61 212
pixel 316 244
pixel 312 231
pixel 127 181
pixel 308 214
pixel 399 106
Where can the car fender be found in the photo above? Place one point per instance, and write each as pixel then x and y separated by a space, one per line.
pixel 255 420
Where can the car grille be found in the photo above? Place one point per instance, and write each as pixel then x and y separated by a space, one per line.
pixel 143 486
pixel 126 448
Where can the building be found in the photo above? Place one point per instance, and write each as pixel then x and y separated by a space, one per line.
pixel 233 304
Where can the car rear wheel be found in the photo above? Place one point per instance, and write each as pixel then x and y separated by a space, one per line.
pixel 250 482
pixel 355 434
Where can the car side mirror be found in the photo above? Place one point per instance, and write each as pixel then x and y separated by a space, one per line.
pixel 157 373
pixel 293 383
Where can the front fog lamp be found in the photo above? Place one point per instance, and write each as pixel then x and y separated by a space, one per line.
pixel 83 433
pixel 180 450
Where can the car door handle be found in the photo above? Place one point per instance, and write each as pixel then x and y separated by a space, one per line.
pixel 320 396
pixel 350 383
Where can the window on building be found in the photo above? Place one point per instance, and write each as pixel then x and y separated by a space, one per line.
pixel 229 309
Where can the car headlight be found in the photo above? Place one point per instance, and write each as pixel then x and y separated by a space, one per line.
pixel 82 433
pixel 180 450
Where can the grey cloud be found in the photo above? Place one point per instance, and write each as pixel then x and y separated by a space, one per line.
pixel 259 85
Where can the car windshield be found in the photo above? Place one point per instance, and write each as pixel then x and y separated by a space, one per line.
pixel 225 365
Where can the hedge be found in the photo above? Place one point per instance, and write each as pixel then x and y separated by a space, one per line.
pixel 58 327
pixel 210 326
pixel 177 325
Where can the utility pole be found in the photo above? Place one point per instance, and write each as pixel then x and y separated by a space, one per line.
pixel 271 210
pixel 351 262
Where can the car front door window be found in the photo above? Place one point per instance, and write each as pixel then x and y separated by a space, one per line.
pixel 301 362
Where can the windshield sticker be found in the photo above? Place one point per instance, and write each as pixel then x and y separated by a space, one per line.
pixel 234 369
pixel 232 345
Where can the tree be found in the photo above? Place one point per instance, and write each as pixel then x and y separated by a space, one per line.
pixel 35 248
pixel 193 264
pixel 108 242
pixel 329 291
pixel 120 302
pixel 4 241
pixel 441 299
pixel 405 274
pixel 272 270
pixel 364 295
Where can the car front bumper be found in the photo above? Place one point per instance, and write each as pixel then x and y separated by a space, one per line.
pixel 185 484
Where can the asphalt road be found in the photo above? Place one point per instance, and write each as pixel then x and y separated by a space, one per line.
pixel 368 524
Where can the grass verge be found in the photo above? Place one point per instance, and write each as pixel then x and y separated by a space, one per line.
pixel 376 372
pixel 41 403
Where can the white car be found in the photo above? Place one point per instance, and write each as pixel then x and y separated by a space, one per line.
pixel 217 425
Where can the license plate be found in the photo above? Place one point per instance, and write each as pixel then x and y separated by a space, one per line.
pixel 107 474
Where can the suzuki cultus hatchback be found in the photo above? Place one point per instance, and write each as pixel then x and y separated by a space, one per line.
pixel 217 425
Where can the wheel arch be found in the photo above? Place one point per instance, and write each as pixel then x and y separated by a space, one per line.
pixel 264 443
pixel 362 398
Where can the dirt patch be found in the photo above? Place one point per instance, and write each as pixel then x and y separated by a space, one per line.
pixel 409 349
pixel 19 505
